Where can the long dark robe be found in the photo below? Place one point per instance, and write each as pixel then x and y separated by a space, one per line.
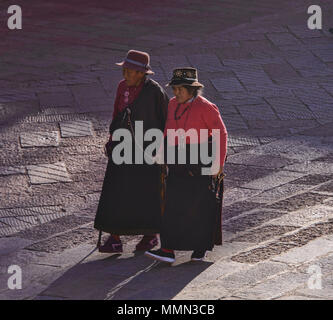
pixel 130 202
pixel 193 216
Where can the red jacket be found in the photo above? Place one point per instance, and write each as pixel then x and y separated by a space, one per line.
pixel 202 114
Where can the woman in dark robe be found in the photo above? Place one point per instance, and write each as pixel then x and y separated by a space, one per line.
pixel 192 219
pixel 130 202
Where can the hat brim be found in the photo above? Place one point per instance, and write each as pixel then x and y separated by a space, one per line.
pixel 180 84
pixel 129 65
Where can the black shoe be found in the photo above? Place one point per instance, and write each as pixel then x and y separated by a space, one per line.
pixel 160 255
pixel 331 30
pixel 198 255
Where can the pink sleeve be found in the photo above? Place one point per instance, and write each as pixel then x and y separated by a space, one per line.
pixel 213 120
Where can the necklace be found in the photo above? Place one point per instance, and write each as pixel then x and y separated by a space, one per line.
pixel 182 136
pixel 176 111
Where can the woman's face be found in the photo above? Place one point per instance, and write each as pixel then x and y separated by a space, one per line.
pixel 181 94
pixel 133 77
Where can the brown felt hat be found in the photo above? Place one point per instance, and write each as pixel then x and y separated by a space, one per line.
pixel 137 60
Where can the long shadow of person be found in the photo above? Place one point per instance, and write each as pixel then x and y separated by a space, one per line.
pixel 123 278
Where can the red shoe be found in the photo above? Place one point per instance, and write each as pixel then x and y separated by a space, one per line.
pixel 147 243
pixel 111 245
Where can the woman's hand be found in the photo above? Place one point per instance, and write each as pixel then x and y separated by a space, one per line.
pixel 220 171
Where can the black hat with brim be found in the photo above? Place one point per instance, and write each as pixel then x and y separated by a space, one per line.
pixel 185 77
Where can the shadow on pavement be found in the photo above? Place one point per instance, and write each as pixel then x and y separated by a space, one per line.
pixel 118 278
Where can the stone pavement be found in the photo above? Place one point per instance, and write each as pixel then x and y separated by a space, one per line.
pixel 272 79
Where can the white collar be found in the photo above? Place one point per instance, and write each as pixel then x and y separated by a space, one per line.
pixel 190 100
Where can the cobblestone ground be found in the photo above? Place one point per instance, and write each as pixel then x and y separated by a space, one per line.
pixel 272 79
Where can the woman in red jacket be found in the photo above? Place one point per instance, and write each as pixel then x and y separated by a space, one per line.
pixel 193 212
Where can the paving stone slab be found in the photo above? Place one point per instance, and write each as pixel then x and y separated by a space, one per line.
pixel 289 108
pixel 315 167
pixel 227 85
pixel 251 220
pixel 300 148
pixel 211 290
pixel 227 110
pixel 33 282
pixel 95 106
pixel 251 61
pixel 326 293
pixel 54 99
pixel 327 187
pixel 9 245
pixel 221 254
pixel 212 273
pixel 285 243
pixel 280 72
pixel 240 102
pixel 303 32
pixel 50 217
pixel 257 112
pixel 88 92
pixel 275 287
pixel 314 179
pixel 282 39
pixel 282 125
pixel 238 194
pixel 253 77
pixel 265 140
pixel 316 100
pixel 299 201
pixel 76 129
pixel 53 227
pixel 264 233
pixel 251 276
pixel 6 171
pixel 48 173
pixel 15 223
pixel 328 87
pixel 170 62
pixel 65 241
pixel 238 208
pixel 58 110
pixel 29 211
pixel 262 253
pixel 309 252
pixel 239 141
pixel 324 54
pixel 326 130
pixel 325 262
pixel 266 161
pixel 250 173
pixel 234 122
pixel 54 118
pixel 280 193
pixel 39 139
pixel 308 65
pixel 6 231
pixel 297 297
pixel 206 62
pixel 271 181
pixel 304 217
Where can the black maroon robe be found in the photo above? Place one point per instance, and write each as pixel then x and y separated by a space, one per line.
pixel 130 202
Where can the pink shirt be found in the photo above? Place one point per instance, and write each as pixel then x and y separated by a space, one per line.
pixel 125 96
pixel 202 114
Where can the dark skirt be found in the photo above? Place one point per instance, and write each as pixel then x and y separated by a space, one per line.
pixel 193 217
pixel 130 202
